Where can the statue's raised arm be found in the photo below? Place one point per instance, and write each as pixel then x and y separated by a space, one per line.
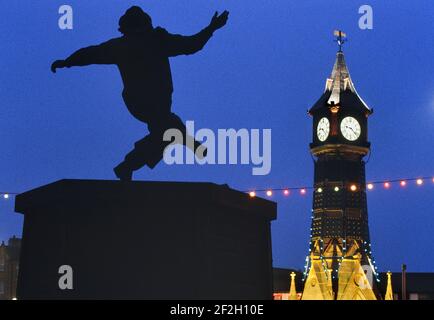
pixel 176 44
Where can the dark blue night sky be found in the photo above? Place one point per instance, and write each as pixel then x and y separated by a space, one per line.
pixel 263 70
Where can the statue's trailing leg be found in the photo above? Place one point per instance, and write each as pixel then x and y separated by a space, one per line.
pixel 149 150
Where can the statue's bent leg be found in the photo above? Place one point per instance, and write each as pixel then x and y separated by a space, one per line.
pixel 149 150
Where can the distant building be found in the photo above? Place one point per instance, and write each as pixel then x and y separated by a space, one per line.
pixel 420 285
pixel 282 281
pixel 9 258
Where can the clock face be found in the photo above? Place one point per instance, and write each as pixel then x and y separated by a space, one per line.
pixel 323 129
pixel 350 128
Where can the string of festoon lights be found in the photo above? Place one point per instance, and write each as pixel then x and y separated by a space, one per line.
pixel 7 195
pixel 370 186
pixel 287 191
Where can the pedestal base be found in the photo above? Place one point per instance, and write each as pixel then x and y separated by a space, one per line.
pixel 145 240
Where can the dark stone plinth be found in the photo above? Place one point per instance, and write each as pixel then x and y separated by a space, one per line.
pixel 145 240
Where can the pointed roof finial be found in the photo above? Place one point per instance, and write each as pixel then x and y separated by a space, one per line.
pixel 389 290
pixel 340 38
pixel 292 289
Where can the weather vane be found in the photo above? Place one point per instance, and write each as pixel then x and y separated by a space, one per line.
pixel 340 38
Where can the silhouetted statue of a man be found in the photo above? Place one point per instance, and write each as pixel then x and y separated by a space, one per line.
pixel 142 56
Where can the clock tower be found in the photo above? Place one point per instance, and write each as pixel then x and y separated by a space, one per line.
pixel 340 265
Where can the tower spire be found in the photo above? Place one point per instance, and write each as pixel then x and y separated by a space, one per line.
pixel 339 88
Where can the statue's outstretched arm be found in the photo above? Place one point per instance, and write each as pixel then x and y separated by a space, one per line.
pixel 98 54
pixel 175 44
